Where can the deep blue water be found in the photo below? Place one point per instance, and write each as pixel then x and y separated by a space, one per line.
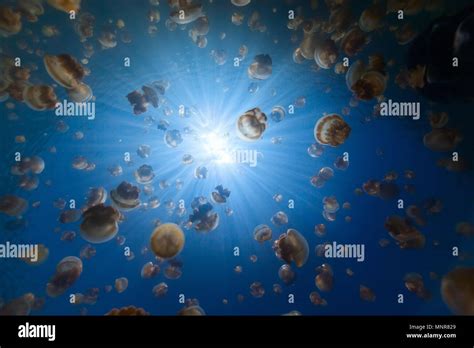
pixel 219 94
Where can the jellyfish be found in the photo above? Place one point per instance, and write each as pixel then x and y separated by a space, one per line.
pixel 20 306
pixel 254 22
pixel 87 252
pixel 10 21
pixel 366 293
pixel 127 311
pixel 69 216
pixel 192 308
pixel 240 3
pixel 261 67
pixel 388 190
pixel 262 233
pixel 203 217
pixel 341 163
pixel 68 271
pixel 326 54
pixel 220 195
pixel 316 299
pixel 331 205
pixel 457 290
pixel 219 56
pixel 331 130
pixel 442 139
pixel 243 50
pixel 64 69
pixel 278 113
pixel 125 196
pixel 40 97
pixel 173 138
pixel 144 174
pixel 371 187
pixel 42 255
pixel 292 247
pixel 13 205
pixel 465 229
pixel 31 9
pixel 173 271
pixel 354 41
pixel 405 34
pixel 66 5
pixel 371 18
pixel 185 12
pixel 251 125
pixel 315 150
pixel 286 274
pixel 121 284
pixel 257 290
pixel 310 41
pixel 80 93
pixel 414 283
pixel 324 280
pixel 409 7
pixel 278 197
pixel 167 240
pixel 237 18
pixel 99 223
pixel 149 270
pixel 279 219
pixel 95 196
pixel 406 235
pixel 160 290
pixel 438 119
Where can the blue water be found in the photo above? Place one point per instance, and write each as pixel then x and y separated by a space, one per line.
pixel 220 94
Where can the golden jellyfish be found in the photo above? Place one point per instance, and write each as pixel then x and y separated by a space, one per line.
pixel 388 190
pixel 414 283
pixel 292 247
pixel 121 284
pixel 414 213
pixel 366 294
pixel 240 3
pixel 192 308
pixel 371 18
pixel 87 252
pixel 261 67
pixel 310 41
pixel 95 196
pixel 99 223
pixel 186 12
pixel 257 290
pixel 127 311
pixel 457 290
pixel 320 230
pixel 465 229
pixel 107 39
pixel 354 41
pixel 174 270
pixel 160 290
pixel 19 306
pixel 286 274
pixel 10 21
pixel 237 18
pixel 251 125
pixel 316 299
pixel 167 240
pixel 406 235
pixel 68 271
pixel 64 69
pixel 331 130
pixel 326 54
pixel 262 233
pixel 12 205
pixel 340 19
pixel 66 5
pixel 144 174
pixel 324 280
pixel 42 255
pixel 149 270
pixel 371 187
pixel 125 196
pixel 80 93
pixel 69 216
pixel 31 9
pixel 442 139
pixel 370 85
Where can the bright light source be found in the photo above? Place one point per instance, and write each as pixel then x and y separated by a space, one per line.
pixel 217 147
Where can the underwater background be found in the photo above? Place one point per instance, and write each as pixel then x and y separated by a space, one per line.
pixel 214 97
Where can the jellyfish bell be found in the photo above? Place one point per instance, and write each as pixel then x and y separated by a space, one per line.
pixel 316 299
pixel 262 233
pixel 388 190
pixel 257 290
pixel 64 69
pixel 331 205
pixel 261 67
pixel 160 289
pixel 279 218
pixel 278 113
pixel 95 196
pixel 173 138
pixel 68 271
pixel 167 240
pixel 187 13
pixel 125 196
pixel 292 247
pixel 121 284
pixel 240 3
pixel 371 18
pixel 149 270
pixel 457 290
pixel 10 21
pixel 144 174
pixel 331 130
pixel 324 280
pixel 371 84
pixel 326 54
pixel 251 125
pixel 13 205
pixel 442 139
pixel 203 218
pixel 43 253
pixel 286 274
pixel 354 41
pixel 406 235
pixel 80 93
pixel 65 5
pixel 99 224
pixel 39 97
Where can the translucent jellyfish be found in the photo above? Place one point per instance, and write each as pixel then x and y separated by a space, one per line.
pixel 127 311
pixel 457 290
pixel 13 205
pixel 203 218
pixel 438 119
pixel 154 15
pixel 330 204
pixel 366 293
pixel 125 196
pixel 261 67
pixel 80 93
pixel 99 223
pixel 240 3
pixel 68 271
pixel 331 130
pixel 442 139
pixel 144 174
pixel 279 219
pixel 251 125
pixel 185 12
pixel 120 240
pixel 262 233
pixel 243 51
pixel 238 269
pixel 95 196
pixel 257 290
pixel 10 21
pixel 201 26
pixel 300 102
pixel 192 308
pixel 64 69
pixel 316 299
pixel 149 270
pixel 173 271
pixel 200 173
pixel 253 88
pixel 278 113
pixel 219 56
pixel 465 229
pixel 324 280
pixel 326 54
pixel 354 41
pixel 414 283
pixel 253 258
pixel 315 150
pixel 341 163
pixel 254 22
pixel 28 183
pixel 220 195
pixel 69 216
pixel 173 138
pixel 320 230
pixel 160 290
pixel 66 5
pixel 406 235
pixel 326 173
pixel 371 187
pixel 87 252
pixel 371 18
pixel 121 284
pixel 405 34
pixel 292 247
pixel 42 255
pixel 237 18
pixel 19 306
pixel 40 97
pixel 286 274
pixel 167 240
pixel 278 197
pixel 31 9
pixel 116 170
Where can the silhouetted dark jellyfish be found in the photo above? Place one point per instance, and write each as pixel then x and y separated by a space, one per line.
pixel 19 306
pixel 331 130
pixel 316 299
pixel 187 159
pixel 279 219
pixel 221 195
pixel 64 69
pixel 127 311
pixel 173 138
pixel 125 196
pixel 121 284
pixel 160 290
pixel 324 280
pixel 415 213
pixel 68 271
pixel 203 217
pixel 12 205
pixel 99 223
pixel 261 67
pixel 354 41
pixel 414 283
pixel 278 113
pixel 262 233
pixel 257 290
pixel 442 139
pixel 457 289
pixel 286 274
pixel 192 308
pixel 28 182
pixel 371 18
pixel 10 21
pixel 438 119
pixel 292 247
pixel 167 240
pixel 251 125
pixel 277 289
pixel 406 235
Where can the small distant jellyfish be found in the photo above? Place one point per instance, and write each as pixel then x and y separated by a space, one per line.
pixel 262 233
pixel 69 216
pixel 326 55
pixel 261 67
pixel 173 271
pixel 442 139
pixel 99 223
pixel 278 197
pixel 219 56
pixel 414 283
pixel 286 274
pixel 167 240
pixel 341 163
pixel 253 88
pixel 12 205
pixel 366 294
pixel 160 290
pixel 300 102
pixel 292 247
pixel 315 150
pixel 279 219
pixel 68 236
pixel 326 173
pixel 144 174
pixel 330 204
pixel 173 138
pixel 125 196
pixel 331 130
pixel 257 290
pixel 253 258
pixel 149 270
pixel 192 308
pixel 144 151
pixel 121 284
pixel 324 280
pixel 87 252
pixel 220 195
pixel 316 299
pixel 320 230
pixel 278 113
